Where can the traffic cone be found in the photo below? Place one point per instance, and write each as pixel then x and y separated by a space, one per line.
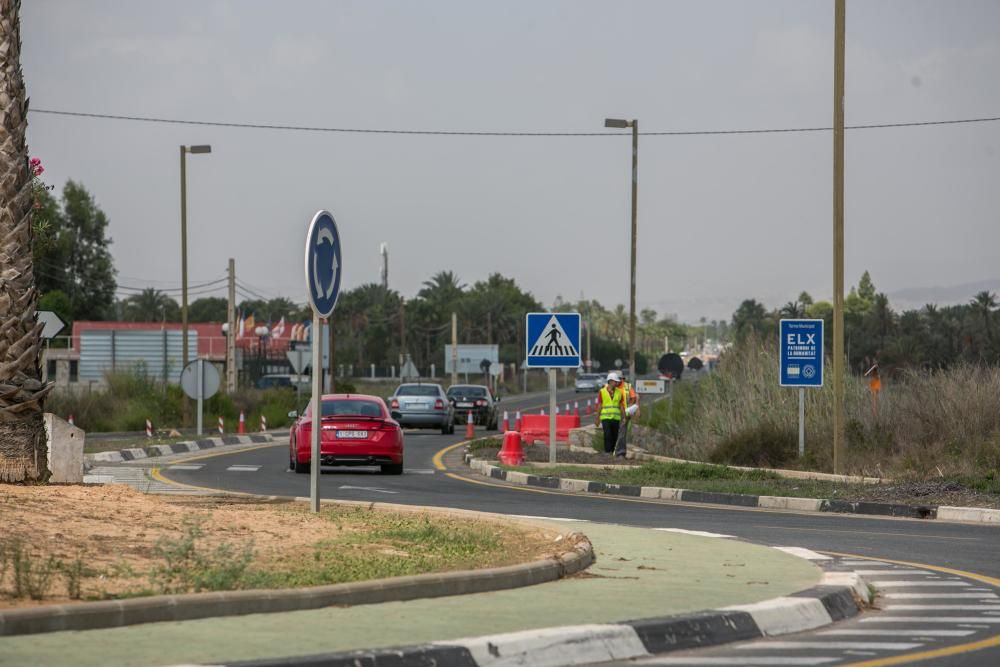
pixel 243 425
pixel 263 424
pixel 149 429
pixel 511 454
pixel 70 421
pixel 576 409
pixel 222 426
pixel 567 409
pixel 542 412
pixel 517 421
pixel 588 408
pixel 506 422
pixel 470 428
pixel 557 410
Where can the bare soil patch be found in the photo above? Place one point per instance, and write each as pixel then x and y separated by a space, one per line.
pixel 112 541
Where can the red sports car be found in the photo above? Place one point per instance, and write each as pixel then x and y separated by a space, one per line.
pixel 357 430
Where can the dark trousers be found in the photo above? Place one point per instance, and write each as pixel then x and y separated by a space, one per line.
pixel 621 442
pixel 611 427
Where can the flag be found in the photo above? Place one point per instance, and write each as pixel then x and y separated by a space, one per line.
pixel 279 328
pixel 242 322
pixel 250 325
pixel 307 332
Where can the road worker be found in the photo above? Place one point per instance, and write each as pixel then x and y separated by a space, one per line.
pixel 631 410
pixel 612 409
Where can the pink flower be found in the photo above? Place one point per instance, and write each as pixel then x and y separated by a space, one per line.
pixel 39 170
pixel 35 161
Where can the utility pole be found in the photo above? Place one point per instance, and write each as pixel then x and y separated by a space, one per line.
pixel 489 328
pixel 384 251
pixel 454 348
pixel 402 336
pixel 231 330
pixel 838 236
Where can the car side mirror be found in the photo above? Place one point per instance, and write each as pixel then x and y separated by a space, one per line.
pixel 293 414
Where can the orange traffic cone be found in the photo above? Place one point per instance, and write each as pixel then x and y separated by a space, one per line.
pixel 517 421
pixel 243 423
pixel 470 429
pixel 511 454
pixel 506 422
pixel 70 421
pixel 576 409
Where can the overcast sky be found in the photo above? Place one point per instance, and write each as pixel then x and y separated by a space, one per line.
pixel 721 218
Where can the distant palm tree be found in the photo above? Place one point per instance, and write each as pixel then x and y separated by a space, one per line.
pixel 793 310
pixel 23 445
pixel 985 303
pixel 150 305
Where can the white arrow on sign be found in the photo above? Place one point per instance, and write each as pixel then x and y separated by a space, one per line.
pixel 53 324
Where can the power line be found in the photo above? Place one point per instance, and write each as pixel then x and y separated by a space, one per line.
pixel 495 133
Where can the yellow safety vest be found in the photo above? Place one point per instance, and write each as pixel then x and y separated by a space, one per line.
pixel 611 405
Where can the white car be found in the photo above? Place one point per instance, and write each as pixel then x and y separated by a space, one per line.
pixel 591 382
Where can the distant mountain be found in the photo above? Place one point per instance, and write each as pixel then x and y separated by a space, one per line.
pixel 912 298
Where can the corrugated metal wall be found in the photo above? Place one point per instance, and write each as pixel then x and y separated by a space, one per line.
pixel 157 353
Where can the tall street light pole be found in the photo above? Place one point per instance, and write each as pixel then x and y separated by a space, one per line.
pixel 184 262
pixel 838 237
pixel 634 124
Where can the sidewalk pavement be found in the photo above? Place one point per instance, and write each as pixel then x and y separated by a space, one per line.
pixel 639 573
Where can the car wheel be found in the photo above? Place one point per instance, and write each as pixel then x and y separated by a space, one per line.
pixel 392 469
pixel 492 426
pixel 299 468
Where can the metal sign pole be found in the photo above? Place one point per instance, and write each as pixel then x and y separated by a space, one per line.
pixel 552 415
pixel 298 378
pixel 802 421
pixel 317 421
pixel 201 392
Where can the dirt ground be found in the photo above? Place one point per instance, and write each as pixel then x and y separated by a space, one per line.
pixel 113 530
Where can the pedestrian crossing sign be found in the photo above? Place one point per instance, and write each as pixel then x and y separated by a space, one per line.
pixel 553 340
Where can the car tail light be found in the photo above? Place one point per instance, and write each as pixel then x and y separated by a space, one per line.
pixel 480 402
pixel 394 404
pixel 439 404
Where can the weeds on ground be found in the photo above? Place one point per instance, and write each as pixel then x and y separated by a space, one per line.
pixel 189 567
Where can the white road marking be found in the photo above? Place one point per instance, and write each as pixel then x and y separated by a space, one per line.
pixel 544 518
pixel 939 596
pixel 368 488
pixel 808 554
pixel 747 661
pixel 901 584
pixel 930 619
pixel 419 471
pixel 942 607
pixel 836 646
pixel 243 468
pixel 891 573
pixel 697 533
pixel 186 466
pixel 866 562
pixel 896 632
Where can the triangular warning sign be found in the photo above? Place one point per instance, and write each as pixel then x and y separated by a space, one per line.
pixel 553 342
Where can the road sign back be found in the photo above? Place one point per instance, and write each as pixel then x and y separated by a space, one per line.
pixel 553 340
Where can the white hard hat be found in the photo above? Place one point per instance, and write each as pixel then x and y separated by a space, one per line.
pixel 614 376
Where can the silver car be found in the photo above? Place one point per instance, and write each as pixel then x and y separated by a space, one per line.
pixel 420 405
pixel 591 382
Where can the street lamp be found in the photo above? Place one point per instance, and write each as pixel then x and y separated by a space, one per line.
pixel 634 124
pixel 184 262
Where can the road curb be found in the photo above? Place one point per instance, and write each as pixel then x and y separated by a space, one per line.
pixel 116 613
pixel 835 599
pixel 966 514
pixel 185 447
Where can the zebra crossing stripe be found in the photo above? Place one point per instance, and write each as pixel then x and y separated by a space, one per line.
pixel 243 468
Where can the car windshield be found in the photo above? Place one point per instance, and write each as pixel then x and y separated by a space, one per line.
pixel 478 392
pixel 352 407
pixel 417 390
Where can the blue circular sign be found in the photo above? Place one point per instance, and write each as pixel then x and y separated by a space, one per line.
pixel 323 263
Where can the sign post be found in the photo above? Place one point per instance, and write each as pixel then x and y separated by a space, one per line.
pixel 323 270
pixel 52 324
pixel 801 363
pixel 199 381
pixel 553 341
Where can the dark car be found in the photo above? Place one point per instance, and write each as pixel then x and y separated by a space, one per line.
pixel 477 399
pixel 419 405
pixel 357 430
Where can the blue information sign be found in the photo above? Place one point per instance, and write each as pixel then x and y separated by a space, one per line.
pixel 801 348
pixel 553 340
pixel 323 263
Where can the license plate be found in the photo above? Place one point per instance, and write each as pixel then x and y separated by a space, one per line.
pixel 464 405
pixel 352 435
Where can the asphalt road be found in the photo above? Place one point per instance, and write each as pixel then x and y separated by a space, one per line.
pixel 967 548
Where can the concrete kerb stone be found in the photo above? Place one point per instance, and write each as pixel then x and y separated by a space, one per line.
pixel 967 514
pixel 116 613
pixel 186 447
pixel 598 643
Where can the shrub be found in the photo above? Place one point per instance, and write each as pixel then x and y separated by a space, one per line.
pixel 761 446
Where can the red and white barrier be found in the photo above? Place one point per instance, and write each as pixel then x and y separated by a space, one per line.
pixel 222 426
pixel 263 424
pixel 149 429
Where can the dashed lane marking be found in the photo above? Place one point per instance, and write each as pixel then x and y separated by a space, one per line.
pixel 243 468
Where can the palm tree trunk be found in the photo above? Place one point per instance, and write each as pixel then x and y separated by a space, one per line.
pixel 23 446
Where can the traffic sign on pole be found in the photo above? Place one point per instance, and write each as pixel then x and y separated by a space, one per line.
pixel 53 324
pixel 323 264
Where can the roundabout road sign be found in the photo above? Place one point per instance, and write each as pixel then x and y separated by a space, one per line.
pixel 323 263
